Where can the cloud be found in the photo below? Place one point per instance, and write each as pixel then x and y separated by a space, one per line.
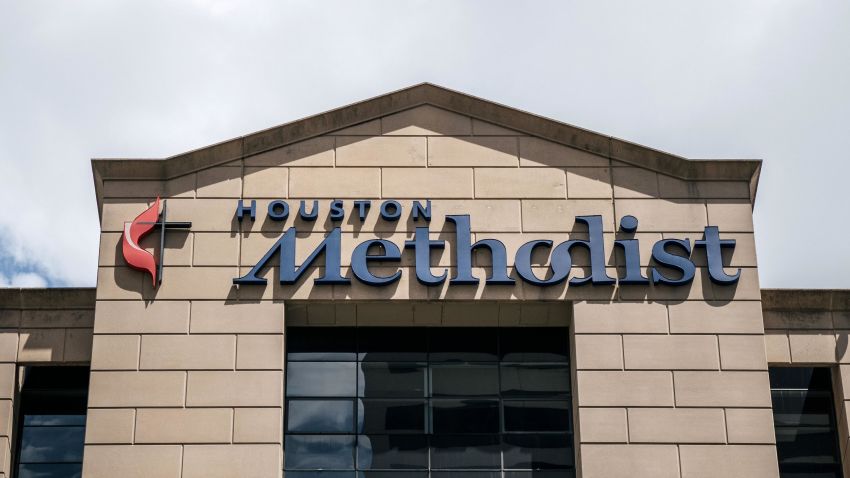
pixel 26 279
pixel 152 79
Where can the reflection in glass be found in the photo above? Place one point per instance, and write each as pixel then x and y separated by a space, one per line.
pixel 55 420
pixel 402 344
pixel 392 416
pixel 464 380
pixel 465 416
pixel 534 344
pixel 538 451
pixel 529 380
pixel 465 451
pixel 321 344
pixel 52 444
pixel 381 379
pixel 463 344
pixel 50 470
pixel 536 416
pixel 387 452
pixel 321 474
pixel 322 452
pixel 320 416
pixel 321 379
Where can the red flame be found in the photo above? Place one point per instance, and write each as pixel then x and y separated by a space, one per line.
pixel 133 232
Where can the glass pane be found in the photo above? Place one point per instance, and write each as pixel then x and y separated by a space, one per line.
pixel 392 474
pixel 465 416
pixel 388 380
pixel 464 380
pixel 464 344
pixel 320 416
pixel 321 474
pixel 541 474
pixel 806 445
pixel 535 380
pixel 319 452
pixel 55 420
pixel 466 474
pixel 403 344
pixel 321 343
pixel 52 444
pixel 795 408
pixel 465 451
pixel 321 379
pixel 536 416
pixel 801 378
pixel 534 344
pixel 538 451
pixel 392 416
pixel 67 470
pixel 384 452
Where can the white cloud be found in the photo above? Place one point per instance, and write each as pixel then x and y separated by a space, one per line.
pixel 152 79
pixel 25 279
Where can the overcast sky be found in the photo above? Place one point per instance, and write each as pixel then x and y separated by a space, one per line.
pixel 718 79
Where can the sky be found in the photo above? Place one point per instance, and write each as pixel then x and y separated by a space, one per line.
pixel 720 79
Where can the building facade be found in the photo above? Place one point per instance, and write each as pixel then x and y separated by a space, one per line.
pixel 425 284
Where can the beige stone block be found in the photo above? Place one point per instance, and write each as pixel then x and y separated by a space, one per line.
pixel 797 319
pixel 220 182
pixel 426 120
pixel 138 461
pixel 731 215
pixel 589 183
pixel 137 317
pixel 483 128
pixel 777 347
pixel 473 151
pixel 78 344
pixel 599 352
pixel 659 215
pixel 259 352
pixel 722 389
pixel 273 291
pixel 619 317
pixel 629 461
pixel 334 183
pixel 728 461
pixel 188 352
pixel 812 346
pixel 381 151
pixel 235 389
pixel 520 183
pixel 137 389
pixel 193 283
pixel 747 288
pixel 844 373
pixel 215 249
pixel 118 211
pixel 206 215
pixel 41 345
pixel 624 389
pixel 7 417
pixel 312 152
pixel 635 183
pixel 470 314
pixel 407 286
pixel 266 182
pixel 178 248
pixel 7 380
pixel 257 425
pixel 57 318
pixel 427 183
pixel 226 461
pixel 671 187
pixel 676 425
pixel 539 152
pixel 742 352
pixel 10 318
pixel 428 313
pixel 110 425
pixel 120 283
pixel 369 128
pixel 603 425
pixel 184 425
pixel 8 345
pixel 236 317
pixel 183 186
pixel 670 352
pixel 559 215
pixel 750 425
pixel 700 317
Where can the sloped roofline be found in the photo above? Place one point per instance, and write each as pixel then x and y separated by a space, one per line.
pixel 417 95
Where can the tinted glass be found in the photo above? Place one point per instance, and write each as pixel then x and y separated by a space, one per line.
pixel 465 380
pixel 381 402
pixel 381 379
pixel 51 470
pixel 52 444
pixel 804 419
pixel 320 416
pixel 321 379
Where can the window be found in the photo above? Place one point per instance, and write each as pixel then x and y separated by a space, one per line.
pixel 448 402
pixel 806 436
pixel 52 422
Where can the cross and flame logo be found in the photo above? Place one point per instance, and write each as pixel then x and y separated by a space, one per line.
pixel 140 258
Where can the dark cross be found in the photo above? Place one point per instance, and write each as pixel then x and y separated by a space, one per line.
pixel 162 224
